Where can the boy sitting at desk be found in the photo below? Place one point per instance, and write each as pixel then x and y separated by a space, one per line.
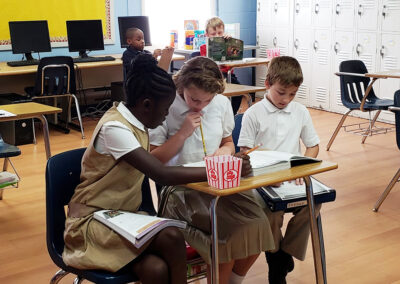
pixel 279 124
pixel 135 39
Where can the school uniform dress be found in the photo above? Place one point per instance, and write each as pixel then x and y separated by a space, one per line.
pixel 106 183
pixel 281 130
pixel 243 227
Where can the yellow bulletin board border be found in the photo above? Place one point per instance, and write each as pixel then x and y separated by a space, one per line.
pixel 62 40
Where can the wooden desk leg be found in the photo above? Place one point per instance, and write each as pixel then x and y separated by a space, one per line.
pixel 317 248
pixel 46 138
pixel 214 241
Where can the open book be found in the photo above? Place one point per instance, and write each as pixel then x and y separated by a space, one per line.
pixel 136 228
pixel 289 195
pixel 271 161
pixel 221 49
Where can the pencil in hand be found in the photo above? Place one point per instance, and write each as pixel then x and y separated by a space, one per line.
pixel 252 149
pixel 202 139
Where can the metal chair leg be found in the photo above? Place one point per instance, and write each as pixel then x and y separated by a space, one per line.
pixel 78 111
pixel 371 125
pixel 58 276
pixel 386 192
pixel 321 240
pixel 78 280
pixel 337 130
pixel 34 132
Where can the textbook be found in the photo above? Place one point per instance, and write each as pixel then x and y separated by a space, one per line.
pixel 136 228
pixel 289 195
pixel 7 178
pixel 221 49
pixel 264 162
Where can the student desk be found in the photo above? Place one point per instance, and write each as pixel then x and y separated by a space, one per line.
pixel 32 110
pixel 303 171
pixel 232 90
pixel 245 62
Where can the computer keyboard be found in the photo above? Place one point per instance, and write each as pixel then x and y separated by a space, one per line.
pixel 93 59
pixel 23 63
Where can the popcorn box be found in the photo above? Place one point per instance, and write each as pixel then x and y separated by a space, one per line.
pixel 223 171
pixel 273 52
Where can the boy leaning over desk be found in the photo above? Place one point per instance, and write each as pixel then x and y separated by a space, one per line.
pixel 279 123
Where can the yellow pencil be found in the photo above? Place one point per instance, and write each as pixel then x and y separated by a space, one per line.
pixel 252 149
pixel 202 138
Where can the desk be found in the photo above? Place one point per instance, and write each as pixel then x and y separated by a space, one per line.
pixel 32 110
pixel 265 180
pixel 245 62
pixel 232 90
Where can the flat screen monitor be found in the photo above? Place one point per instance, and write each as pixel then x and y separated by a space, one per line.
pixel 85 35
pixel 140 22
pixel 29 36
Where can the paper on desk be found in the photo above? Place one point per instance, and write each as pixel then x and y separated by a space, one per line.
pixel 289 190
pixel 4 113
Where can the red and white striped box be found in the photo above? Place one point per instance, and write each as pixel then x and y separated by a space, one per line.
pixel 223 171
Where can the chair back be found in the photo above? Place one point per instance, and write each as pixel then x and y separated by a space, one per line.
pixel 55 76
pixel 236 130
pixel 62 176
pixel 397 116
pixel 352 88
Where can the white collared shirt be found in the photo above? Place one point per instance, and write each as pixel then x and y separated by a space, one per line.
pixel 217 123
pixel 278 129
pixel 115 139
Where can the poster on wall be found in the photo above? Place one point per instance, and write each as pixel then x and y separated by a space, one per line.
pixel 56 13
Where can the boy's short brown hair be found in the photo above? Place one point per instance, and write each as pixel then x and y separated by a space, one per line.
pixel 131 32
pixel 285 70
pixel 214 23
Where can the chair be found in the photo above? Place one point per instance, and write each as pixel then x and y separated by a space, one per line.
pixel 396 177
pixel 55 77
pixel 7 151
pixel 62 176
pixel 235 137
pixel 357 94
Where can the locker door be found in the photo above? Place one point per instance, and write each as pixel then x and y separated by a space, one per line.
pixel 367 15
pixel 344 14
pixel 302 52
pixel 281 13
pixel 321 72
pixel 322 13
pixel 343 50
pixel 390 60
pixel 391 15
pixel 302 14
pixel 264 41
pixel 264 12
pixel 365 49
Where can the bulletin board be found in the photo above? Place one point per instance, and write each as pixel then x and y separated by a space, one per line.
pixel 56 12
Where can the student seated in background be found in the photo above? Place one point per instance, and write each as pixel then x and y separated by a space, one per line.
pixel 135 39
pixel 280 124
pixel 113 168
pixel 243 227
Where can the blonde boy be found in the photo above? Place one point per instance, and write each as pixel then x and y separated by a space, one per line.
pixel 279 124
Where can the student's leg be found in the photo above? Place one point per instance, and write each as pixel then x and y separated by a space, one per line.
pixel 151 269
pixel 242 266
pixel 169 245
pixel 225 270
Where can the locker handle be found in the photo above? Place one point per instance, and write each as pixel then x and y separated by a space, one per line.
pixel 258 6
pixel 360 10
pixel 276 7
pixel 316 8
pixel 275 41
pixel 316 45
pixel 296 43
pixel 336 47
pixel 382 51
pixel 358 49
pixel 384 13
pixel 297 7
pixel 337 9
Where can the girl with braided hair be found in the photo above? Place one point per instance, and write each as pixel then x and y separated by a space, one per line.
pixel 113 168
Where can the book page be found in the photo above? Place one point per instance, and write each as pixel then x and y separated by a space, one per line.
pixel 289 190
pixel 4 113
pixel 260 159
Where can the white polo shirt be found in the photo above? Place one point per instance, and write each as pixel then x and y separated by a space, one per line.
pixel 115 139
pixel 278 129
pixel 217 123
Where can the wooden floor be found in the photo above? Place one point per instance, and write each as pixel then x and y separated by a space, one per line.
pixel 361 246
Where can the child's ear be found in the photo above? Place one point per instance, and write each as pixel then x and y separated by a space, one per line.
pixel 129 41
pixel 147 104
pixel 267 85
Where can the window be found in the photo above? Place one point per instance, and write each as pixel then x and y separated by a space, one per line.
pixel 165 16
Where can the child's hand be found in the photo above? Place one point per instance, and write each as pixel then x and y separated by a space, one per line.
pixel 227 36
pixel 246 166
pixel 298 181
pixel 156 53
pixel 168 51
pixel 191 122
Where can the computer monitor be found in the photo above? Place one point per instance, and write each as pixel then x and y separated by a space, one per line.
pixel 85 35
pixel 29 36
pixel 140 22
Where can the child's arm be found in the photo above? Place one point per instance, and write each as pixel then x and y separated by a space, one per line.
pixel 226 147
pixel 312 151
pixel 166 57
pixel 171 147
pixel 156 53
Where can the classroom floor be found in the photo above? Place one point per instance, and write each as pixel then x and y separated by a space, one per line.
pixel 361 246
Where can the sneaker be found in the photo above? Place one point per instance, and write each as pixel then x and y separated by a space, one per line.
pixel 279 263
